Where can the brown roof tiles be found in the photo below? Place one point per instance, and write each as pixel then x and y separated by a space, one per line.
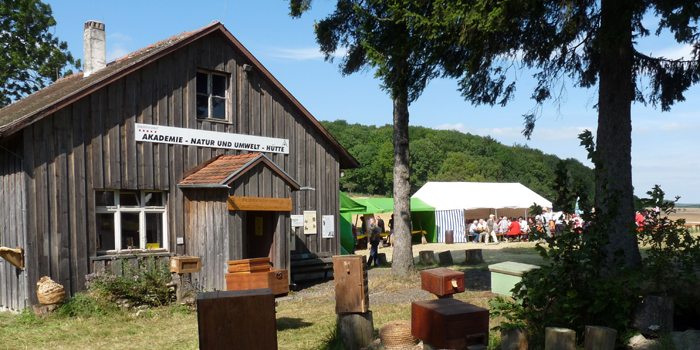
pixel 223 170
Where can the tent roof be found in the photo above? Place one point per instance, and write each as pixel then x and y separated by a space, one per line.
pixel 386 205
pixel 348 205
pixel 478 195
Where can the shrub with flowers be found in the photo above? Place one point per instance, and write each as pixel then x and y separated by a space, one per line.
pixel 146 284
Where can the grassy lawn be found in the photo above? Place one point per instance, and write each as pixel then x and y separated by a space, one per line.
pixel 301 323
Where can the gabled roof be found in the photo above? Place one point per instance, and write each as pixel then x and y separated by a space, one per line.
pixel 223 170
pixel 70 89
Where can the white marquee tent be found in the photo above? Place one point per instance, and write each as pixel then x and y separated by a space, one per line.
pixel 452 199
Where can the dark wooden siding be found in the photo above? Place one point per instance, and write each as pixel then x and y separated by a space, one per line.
pixel 12 223
pixel 90 145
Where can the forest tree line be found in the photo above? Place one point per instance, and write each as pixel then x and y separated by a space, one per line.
pixel 447 155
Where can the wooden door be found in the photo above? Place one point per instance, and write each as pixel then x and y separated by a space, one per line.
pixel 260 234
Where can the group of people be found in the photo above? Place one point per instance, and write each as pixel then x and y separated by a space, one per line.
pixel 548 223
pixel 374 230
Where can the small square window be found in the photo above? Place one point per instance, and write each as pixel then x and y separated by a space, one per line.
pixel 104 198
pixel 154 199
pixel 129 199
pixel 212 95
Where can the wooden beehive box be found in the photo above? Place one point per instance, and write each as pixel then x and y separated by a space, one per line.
pixel 449 323
pixel 249 265
pixel 276 280
pixel 185 264
pixel 351 287
pixel 237 320
pixel 442 281
pixel 505 275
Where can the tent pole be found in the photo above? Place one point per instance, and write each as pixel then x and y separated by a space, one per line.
pixel 420 225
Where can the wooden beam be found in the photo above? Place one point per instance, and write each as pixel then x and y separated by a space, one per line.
pixel 259 203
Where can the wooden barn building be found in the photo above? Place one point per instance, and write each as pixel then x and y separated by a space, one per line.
pixel 186 147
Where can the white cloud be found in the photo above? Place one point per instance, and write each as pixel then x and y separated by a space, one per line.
pixel 309 53
pixel 117 46
pixel 670 127
pixel 542 134
pixel 675 52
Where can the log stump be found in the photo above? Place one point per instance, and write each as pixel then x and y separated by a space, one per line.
pixel 356 330
pixel 599 338
pixel 427 257
pixel 382 259
pixel 559 339
pixel 445 258
pixel 458 256
pixel 513 339
pixel 474 256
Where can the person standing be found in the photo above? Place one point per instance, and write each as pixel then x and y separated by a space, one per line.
pixel 380 223
pixel 546 218
pixel 490 230
pixel 375 236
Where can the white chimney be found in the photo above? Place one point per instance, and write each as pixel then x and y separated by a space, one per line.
pixel 94 47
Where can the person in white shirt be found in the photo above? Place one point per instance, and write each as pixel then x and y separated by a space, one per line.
pixel 472 230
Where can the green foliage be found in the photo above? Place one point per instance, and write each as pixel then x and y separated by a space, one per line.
pixel 86 305
pixel 674 254
pixel 31 56
pixel 332 339
pixel 145 285
pixel 510 311
pixel 448 155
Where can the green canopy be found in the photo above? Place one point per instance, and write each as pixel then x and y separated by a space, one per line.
pixel 348 205
pixel 386 205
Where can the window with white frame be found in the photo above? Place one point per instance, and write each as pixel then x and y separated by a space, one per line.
pixel 130 220
pixel 212 92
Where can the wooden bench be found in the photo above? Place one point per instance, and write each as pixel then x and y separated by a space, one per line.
pixel 309 263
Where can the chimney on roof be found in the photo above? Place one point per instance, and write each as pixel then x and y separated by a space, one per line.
pixel 94 47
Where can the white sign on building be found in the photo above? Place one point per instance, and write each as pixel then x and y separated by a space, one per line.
pixel 212 139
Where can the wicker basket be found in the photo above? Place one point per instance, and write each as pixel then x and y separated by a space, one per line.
pixel 49 292
pixel 397 335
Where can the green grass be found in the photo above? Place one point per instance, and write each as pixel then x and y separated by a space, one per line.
pixel 87 323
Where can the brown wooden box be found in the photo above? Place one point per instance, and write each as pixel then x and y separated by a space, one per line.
pixel 276 280
pixel 185 264
pixel 351 286
pixel 440 281
pixel 249 265
pixel 237 320
pixel 449 323
pixel 246 280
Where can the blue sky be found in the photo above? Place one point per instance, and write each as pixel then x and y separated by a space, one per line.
pixel 665 147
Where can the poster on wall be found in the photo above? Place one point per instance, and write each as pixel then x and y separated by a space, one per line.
pixel 297 220
pixel 310 222
pixel 258 226
pixel 328 226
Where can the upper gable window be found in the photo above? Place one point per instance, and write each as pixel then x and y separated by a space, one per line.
pixel 212 95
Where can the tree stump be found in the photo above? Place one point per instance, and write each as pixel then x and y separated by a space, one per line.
pixel 445 258
pixel 559 339
pixel 458 256
pixel 654 311
pixel 382 259
pixel 513 339
pixel 356 330
pixel 474 256
pixel 427 257
pixel 599 338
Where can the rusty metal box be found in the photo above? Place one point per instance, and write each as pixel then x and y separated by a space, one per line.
pixel 442 281
pixel 185 264
pixel 449 323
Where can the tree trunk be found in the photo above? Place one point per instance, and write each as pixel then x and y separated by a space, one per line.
pixel 402 258
pixel 614 192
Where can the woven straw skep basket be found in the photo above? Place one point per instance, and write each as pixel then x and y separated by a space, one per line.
pixel 49 292
pixel 396 335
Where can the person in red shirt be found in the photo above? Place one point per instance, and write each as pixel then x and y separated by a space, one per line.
pixel 639 220
pixel 513 230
